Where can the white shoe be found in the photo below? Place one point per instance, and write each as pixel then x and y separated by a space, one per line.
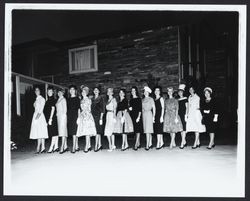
pixel 109 150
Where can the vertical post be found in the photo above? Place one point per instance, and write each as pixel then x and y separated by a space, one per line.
pixel 18 102
pixel 179 57
pixel 46 87
pixel 198 61
pixel 189 56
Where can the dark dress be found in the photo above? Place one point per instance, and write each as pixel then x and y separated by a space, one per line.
pixel 208 110
pixel 136 105
pixel 158 126
pixel 98 107
pixel 52 129
pixel 73 105
pixel 182 111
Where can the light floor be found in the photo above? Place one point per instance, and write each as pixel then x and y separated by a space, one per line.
pixel 165 172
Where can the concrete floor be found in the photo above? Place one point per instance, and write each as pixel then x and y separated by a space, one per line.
pixel 165 172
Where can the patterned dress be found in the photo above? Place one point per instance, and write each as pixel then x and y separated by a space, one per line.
pixel 86 124
pixel 61 108
pixel 170 126
pixel 194 115
pixel 127 126
pixel 97 108
pixel 147 114
pixel 39 126
pixel 110 124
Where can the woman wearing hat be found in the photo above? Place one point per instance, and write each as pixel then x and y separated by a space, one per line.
pixel 61 108
pixel 148 116
pixel 159 116
pixel 124 124
pixel 50 115
pixel 183 104
pixel 172 122
pixel 38 129
pixel 111 106
pixel 194 117
pixel 98 109
pixel 86 124
pixel 210 115
pixel 73 108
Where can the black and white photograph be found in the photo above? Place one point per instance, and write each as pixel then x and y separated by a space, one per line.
pixel 124 100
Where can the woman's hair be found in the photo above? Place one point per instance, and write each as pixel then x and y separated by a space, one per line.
pixel 157 87
pixel 72 86
pixel 37 87
pixel 136 91
pixel 124 91
pixel 85 88
pixel 97 87
pixel 61 90
pixel 50 88
pixel 193 87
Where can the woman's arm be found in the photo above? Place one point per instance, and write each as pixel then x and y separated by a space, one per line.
pixel 41 104
pixel 162 109
pixel 51 115
pixel 153 107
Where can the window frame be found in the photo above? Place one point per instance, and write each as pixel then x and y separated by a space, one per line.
pixel 83 70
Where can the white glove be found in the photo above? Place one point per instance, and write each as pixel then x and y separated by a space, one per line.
pixel 186 117
pixel 161 120
pixel 130 108
pixel 153 119
pixel 138 119
pixel 215 118
pixel 50 122
pixel 77 121
pixel 100 122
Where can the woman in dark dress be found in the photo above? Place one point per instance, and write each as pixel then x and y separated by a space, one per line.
pixel 98 109
pixel 50 116
pixel 73 107
pixel 209 115
pixel 123 124
pixel 183 104
pixel 159 114
pixel 135 110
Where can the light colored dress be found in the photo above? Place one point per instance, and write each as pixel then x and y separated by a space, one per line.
pixel 61 108
pixel 86 124
pixel 169 124
pixel 39 126
pixel 194 115
pixel 110 124
pixel 147 114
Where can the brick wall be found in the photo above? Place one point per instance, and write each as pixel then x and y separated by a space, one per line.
pixel 133 59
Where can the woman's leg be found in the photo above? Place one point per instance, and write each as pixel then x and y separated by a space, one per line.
pixel 74 143
pixel 123 141
pixel 42 144
pixel 126 141
pixel 172 143
pixel 113 141
pixel 38 145
pixel 96 141
pixel 147 140
pixel 158 141
pixel 183 138
pixel 63 144
pixel 110 143
pixel 197 140
pixel 211 143
pixel 150 140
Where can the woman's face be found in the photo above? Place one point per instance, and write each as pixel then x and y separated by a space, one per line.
pixel 72 91
pixel 191 90
pixel 37 91
pixel 121 94
pixel 180 93
pixel 146 93
pixel 157 92
pixel 133 92
pixel 50 92
pixel 207 94
pixel 84 93
pixel 96 92
pixel 60 93
pixel 170 92
pixel 110 92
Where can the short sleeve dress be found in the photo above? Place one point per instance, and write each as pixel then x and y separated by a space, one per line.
pixel 158 126
pixel 170 126
pixel 86 126
pixel 136 106
pixel 110 108
pixel 73 105
pixel 147 114
pixel 208 110
pixel 98 107
pixel 52 129
pixel 182 111
pixel 126 127
pixel 194 115
pixel 39 126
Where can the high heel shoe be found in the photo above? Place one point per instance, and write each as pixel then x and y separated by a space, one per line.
pixel 182 147
pixel 150 147
pixel 37 152
pixel 100 148
pixel 194 147
pixel 199 145
pixel 78 149
pixel 135 148
pixel 43 151
pixel 146 148
pixel 86 151
pixel 49 152
pixel 56 150
pixel 211 146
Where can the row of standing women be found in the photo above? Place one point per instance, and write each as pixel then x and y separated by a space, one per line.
pixel 85 117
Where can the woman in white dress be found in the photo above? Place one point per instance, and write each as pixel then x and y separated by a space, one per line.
pixel 194 117
pixel 61 108
pixel 111 106
pixel 39 129
pixel 86 124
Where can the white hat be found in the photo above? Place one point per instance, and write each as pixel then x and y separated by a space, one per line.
pixel 182 87
pixel 208 89
pixel 146 88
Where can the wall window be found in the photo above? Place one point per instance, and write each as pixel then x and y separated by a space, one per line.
pixel 83 59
